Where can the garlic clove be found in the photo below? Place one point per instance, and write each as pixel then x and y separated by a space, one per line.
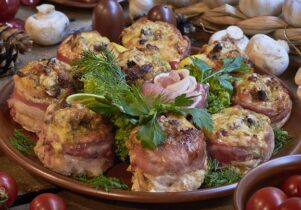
pixel 298 77
pixel 235 33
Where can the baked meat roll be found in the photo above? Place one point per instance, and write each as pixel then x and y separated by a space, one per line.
pixel 241 138
pixel 37 85
pixel 161 35
pixel 179 164
pixel 264 94
pixel 75 141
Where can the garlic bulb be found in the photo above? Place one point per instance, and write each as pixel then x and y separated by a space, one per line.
pixel 252 8
pixel 48 26
pixel 233 33
pixel 292 12
pixel 181 3
pixel 268 54
pixel 139 8
pixel 217 3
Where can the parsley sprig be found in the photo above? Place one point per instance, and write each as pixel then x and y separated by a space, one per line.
pixel 204 73
pixel 106 92
pixel 101 181
pixel 220 81
pixel 21 142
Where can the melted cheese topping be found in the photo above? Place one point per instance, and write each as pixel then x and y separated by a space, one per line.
pixel 144 33
pixel 236 126
pixel 77 43
pixel 275 96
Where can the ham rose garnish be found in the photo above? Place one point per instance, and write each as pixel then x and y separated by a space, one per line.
pixel 175 83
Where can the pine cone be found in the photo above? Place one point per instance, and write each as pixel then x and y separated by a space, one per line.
pixel 12 42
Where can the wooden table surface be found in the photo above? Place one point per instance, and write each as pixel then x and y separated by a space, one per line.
pixel 81 18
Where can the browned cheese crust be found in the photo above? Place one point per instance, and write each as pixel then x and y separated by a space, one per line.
pixel 163 36
pixel 142 64
pixel 74 45
pixel 264 94
pixel 240 138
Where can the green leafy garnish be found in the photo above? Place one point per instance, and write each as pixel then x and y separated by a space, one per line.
pixel 282 138
pixel 123 129
pixel 220 81
pixel 106 92
pixel 218 176
pixel 107 183
pixel 21 142
pixel 218 98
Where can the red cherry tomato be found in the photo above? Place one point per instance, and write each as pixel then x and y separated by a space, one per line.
pixel 267 198
pixel 30 3
pixel 8 189
pixel 8 9
pixel 290 204
pixel 47 201
pixel 289 186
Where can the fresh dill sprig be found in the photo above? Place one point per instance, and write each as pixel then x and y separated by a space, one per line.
pixel 282 138
pixel 106 92
pixel 21 142
pixel 101 181
pixel 218 176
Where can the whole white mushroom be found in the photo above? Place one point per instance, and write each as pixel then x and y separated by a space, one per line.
pixel 47 27
pixel 268 54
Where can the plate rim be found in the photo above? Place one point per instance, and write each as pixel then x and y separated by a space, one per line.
pixel 121 195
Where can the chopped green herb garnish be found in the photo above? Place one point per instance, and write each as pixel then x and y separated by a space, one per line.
pixel 218 176
pixel 106 92
pixel 282 138
pixel 21 142
pixel 107 183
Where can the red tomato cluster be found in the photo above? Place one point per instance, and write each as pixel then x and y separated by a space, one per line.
pixel 9 193
pixel 288 197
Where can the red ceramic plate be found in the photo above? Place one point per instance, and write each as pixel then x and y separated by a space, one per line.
pixel 77 3
pixel 32 164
